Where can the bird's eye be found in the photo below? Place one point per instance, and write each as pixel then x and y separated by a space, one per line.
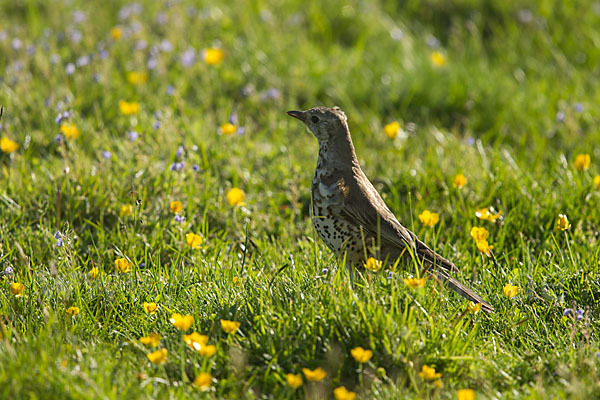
pixel 314 119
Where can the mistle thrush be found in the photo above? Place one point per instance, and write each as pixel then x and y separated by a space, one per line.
pixel 352 218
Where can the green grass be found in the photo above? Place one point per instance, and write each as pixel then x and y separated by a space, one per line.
pixel 490 113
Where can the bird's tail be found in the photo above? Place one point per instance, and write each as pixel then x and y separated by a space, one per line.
pixel 461 289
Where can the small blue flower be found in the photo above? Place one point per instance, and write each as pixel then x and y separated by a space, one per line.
pixel 70 68
pixel 107 155
pixel 567 311
pixel 177 166
pixel 188 57
pixel 560 116
pixel 179 218
pixel 179 152
pixel 170 90
pixel 156 124
pixel 8 270
pixel 196 168
pixel 59 242
pixel 57 235
pixel 325 270
pixel 240 130
pixel 390 274
pixel 578 107
pixel 142 265
pixel 132 135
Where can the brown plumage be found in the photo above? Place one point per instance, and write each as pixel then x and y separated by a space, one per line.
pixel 351 217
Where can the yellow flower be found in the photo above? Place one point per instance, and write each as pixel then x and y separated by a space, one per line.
pixel 116 33
pixel 158 357
pixel 465 394
pixel 175 206
pixel 193 240
pixel 341 393
pixel 582 162
pixel 237 281
pixel 373 264
pixel 361 355
pixel 129 108
pixel 428 218
pixel 208 351
pixel 228 128
pixel 487 214
pixel 203 380
pixel 562 223
pixel 428 373
pixel 438 384
pixel 479 234
pixel 597 181
pixel 123 265
pixel 392 129
pixel 474 308
pixel 229 326
pixel 17 289
pixel 150 308
pixel 484 247
pixel 137 78
pixel 181 322
pixel 438 59
pixel 72 311
pixel 69 130
pixel 7 145
pixel 94 272
pixel 415 282
pixel 236 197
pixel 510 290
pixel 314 375
pixel 195 340
pixel 151 340
pixel 126 210
pixel 213 56
pixel 295 381
pixel 460 181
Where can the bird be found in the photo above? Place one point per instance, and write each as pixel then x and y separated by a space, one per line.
pixel 351 217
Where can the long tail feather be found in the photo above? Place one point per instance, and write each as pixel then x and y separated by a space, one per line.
pixel 462 289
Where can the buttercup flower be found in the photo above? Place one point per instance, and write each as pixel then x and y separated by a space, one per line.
pixel 438 59
pixel 116 33
pixel 236 197
pixel 129 108
pixel 488 214
pixel 193 240
pixel 16 289
pixel 314 375
pixel 203 381
pixel 195 340
pixel 438 384
pixel 428 218
pixel 123 265
pixel 392 129
pixel 341 393
pixel 415 282
pixel 361 355
pixel 69 130
pixel 510 290
pixel 562 223
pixel 208 350
pixel 72 311
pixel 229 326
pixel 597 181
pixel 582 162
pixel 428 373
pixel 137 78
pixel 293 380
pixel 151 340
pixel 150 308
pixel 158 357
pixel 228 128
pixel 94 272
pixel 373 264
pixel 479 234
pixel 484 247
pixel 213 56
pixel 126 210
pixel 474 308
pixel 7 145
pixel 183 323
pixel 175 206
pixel 465 394
pixel 460 181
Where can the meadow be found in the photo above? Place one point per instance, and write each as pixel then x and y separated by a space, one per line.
pixel 155 234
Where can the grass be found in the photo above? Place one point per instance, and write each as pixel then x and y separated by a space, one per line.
pixel 513 105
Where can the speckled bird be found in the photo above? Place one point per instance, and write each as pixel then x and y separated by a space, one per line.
pixel 352 218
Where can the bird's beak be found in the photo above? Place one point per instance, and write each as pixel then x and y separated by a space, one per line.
pixel 297 114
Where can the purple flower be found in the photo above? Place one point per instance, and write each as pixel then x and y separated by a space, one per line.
pixel 103 54
pixel 156 124
pixel 161 18
pixel 142 265
pixel 83 61
pixel 152 63
pixel 179 218
pixel 57 235
pixel 132 135
pixel 390 274
pixel 578 107
pixel 8 270
pixel 75 36
pixel 70 68
pixel 580 313
pixel 58 138
pixel 78 16
pixel 141 44
pixel 196 168
pixel 179 152
pixel 170 90
pixel 59 242
pixel 233 119
pixel 177 166
pixel 188 57
pixel 107 155
pixel 17 44
pixel 165 46
pixel 432 42
pixel 567 311
pixel 325 270
pixel 240 130
pixel 560 116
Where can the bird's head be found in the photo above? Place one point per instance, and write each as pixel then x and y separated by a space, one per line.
pixel 325 123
